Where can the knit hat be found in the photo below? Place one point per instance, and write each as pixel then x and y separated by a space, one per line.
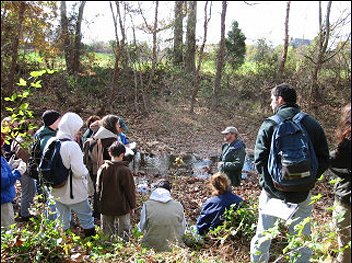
pixel 50 116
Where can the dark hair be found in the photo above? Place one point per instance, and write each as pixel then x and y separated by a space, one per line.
pixel 116 149
pixel 163 183
pixel 92 119
pixel 286 91
pixel 109 122
pixel 344 129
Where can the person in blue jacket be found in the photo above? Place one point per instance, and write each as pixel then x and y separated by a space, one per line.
pixel 8 191
pixel 214 207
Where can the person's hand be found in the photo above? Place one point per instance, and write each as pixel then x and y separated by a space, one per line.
pixel 14 162
pixel 22 167
pixel 220 165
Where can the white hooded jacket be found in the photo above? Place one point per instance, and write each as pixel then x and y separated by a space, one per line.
pixel 72 156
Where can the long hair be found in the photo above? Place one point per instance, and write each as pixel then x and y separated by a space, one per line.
pixel 219 183
pixel 344 129
pixel 109 122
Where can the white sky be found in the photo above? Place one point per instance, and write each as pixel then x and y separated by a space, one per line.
pixel 262 20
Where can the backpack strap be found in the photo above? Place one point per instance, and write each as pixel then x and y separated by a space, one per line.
pixel 276 118
pixel 71 191
pixel 299 116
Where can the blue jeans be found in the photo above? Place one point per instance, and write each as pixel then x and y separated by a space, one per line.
pixel 27 195
pixel 83 211
pixel 50 207
pixel 260 248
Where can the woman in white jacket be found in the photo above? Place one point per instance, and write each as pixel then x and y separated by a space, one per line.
pixel 72 157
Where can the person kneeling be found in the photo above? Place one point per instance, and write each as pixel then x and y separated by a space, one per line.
pixel 214 207
pixel 162 219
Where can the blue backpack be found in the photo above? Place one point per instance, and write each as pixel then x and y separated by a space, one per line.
pixel 51 167
pixel 292 160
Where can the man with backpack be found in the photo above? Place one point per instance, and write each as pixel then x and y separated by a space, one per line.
pixel 291 153
pixel 51 119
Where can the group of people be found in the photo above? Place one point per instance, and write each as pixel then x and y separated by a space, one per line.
pixel 100 169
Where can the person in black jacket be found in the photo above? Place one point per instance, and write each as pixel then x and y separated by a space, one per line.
pixel 283 103
pixel 340 166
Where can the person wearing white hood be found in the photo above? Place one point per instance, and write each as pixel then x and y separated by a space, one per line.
pixel 162 219
pixel 72 157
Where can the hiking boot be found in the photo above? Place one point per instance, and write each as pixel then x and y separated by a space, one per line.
pixel 89 232
pixel 24 218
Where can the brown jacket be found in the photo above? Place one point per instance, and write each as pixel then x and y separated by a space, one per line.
pixel 115 188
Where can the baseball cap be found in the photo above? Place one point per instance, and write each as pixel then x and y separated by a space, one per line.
pixel 230 129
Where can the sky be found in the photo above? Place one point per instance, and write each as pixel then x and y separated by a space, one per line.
pixel 258 19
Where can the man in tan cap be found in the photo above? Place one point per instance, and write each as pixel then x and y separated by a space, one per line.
pixel 232 155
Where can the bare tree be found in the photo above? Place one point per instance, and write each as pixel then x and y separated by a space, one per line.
pixel 323 51
pixel 191 37
pixel 284 52
pixel 178 32
pixel 122 20
pixel 64 33
pixel 201 53
pixel 72 49
pixel 116 48
pixel 221 54
pixel 16 41
pixel 77 39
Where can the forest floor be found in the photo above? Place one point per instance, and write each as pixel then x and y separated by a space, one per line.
pixel 171 129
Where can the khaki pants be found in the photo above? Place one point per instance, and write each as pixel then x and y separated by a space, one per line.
pixel 343 229
pixel 113 225
pixel 7 215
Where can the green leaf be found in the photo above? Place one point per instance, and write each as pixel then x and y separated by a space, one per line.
pixel 22 82
pixel 7 99
pixel 36 74
pixel 25 94
pixel 24 106
pixel 51 71
pixel 14 97
pixel 9 109
pixel 36 84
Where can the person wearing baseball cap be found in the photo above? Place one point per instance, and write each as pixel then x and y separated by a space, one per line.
pixel 232 155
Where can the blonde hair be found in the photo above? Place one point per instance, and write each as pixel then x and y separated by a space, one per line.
pixel 219 183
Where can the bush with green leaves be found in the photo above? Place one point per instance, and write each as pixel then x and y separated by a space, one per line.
pixel 17 106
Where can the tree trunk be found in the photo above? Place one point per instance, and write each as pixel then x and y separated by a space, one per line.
pixel 324 34
pixel 15 44
pixel 123 39
pixel 178 33
pixel 200 58
pixel 65 35
pixel 191 37
pixel 77 41
pixel 116 49
pixel 284 52
pixel 220 59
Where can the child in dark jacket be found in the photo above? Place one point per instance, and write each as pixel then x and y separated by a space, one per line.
pixel 214 207
pixel 116 192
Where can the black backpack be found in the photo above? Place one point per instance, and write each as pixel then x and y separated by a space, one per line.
pixel 51 167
